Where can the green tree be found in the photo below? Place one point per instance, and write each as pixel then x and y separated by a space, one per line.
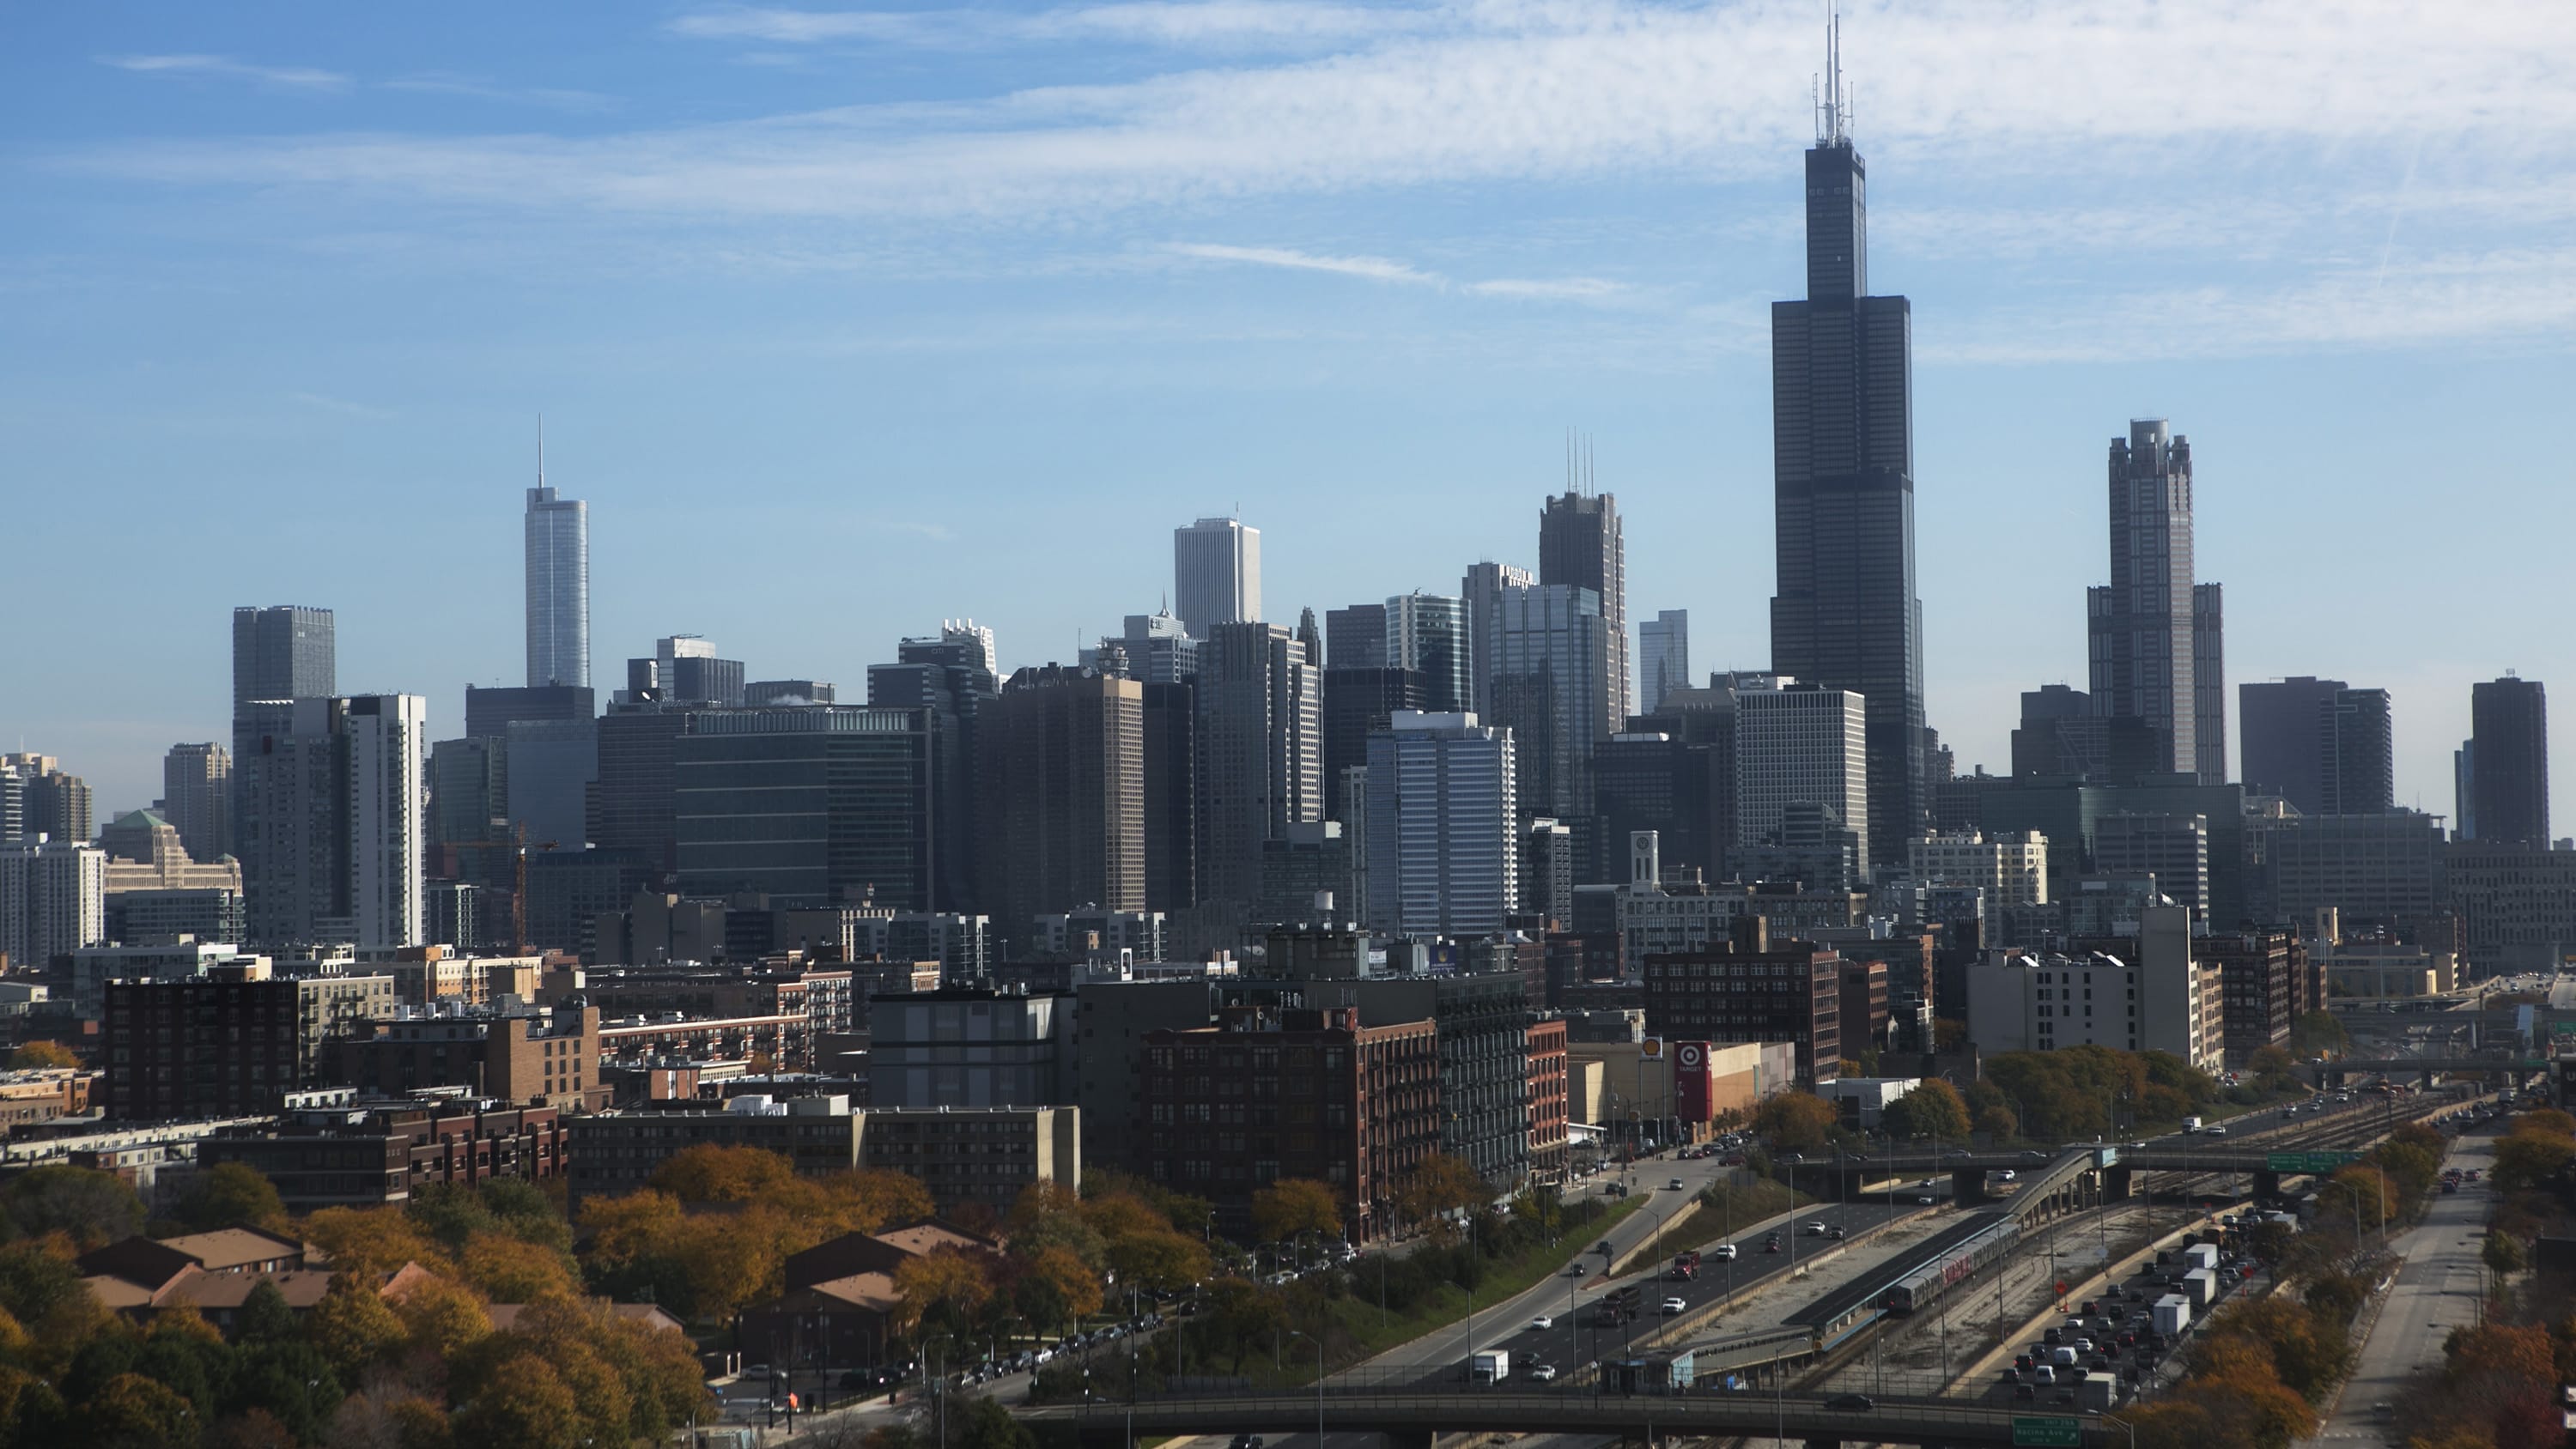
pixel 978 1422
pixel 2526 1158
pixel 287 1378
pixel 1441 1183
pixel 2502 1254
pixel 1294 1206
pixel 42 1056
pixel 265 1318
pixel 95 1208
pixel 354 1327
pixel 2318 1033
pixel 130 1411
pixel 228 1195
pixel 1933 1109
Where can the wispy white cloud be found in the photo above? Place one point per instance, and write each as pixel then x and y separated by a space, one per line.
pixel 293 76
pixel 1375 269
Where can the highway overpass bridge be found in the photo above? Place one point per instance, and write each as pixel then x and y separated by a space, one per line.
pixel 1414 1419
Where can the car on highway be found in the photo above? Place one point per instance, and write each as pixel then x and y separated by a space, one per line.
pixel 1544 1373
pixel 1772 1246
pixel 1542 1323
pixel 1838 1235
pixel 1673 1306
pixel 1723 1250
pixel 1816 1228
pixel 1851 1403
pixel 1576 1271
pixel 1923 1199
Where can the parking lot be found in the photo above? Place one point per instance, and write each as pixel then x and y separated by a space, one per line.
pixel 2113 1340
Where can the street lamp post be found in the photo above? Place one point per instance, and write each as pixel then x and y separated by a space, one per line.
pixel 1319 1383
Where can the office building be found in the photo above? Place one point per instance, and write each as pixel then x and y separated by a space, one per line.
pixel 1483 1025
pixel 1310 874
pixel 2140 626
pixel 966 1047
pixel 286 652
pixel 489 713
pixel 1356 637
pixel 553 765
pixel 1581 545
pixel 987 1156
pixel 1170 715
pixel 2209 679
pixel 684 669
pixel 1481 595
pixel 53 900
pixel 1260 752
pixel 42 800
pixel 2321 745
pixel 2260 982
pixel 207 913
pixel 1062 782
pixel 950 676
pixel 2515 903
pixel 558 548
pixel 1846 615
pixel 2172 848
pixel 1801 744
pixel 1443 856
pixel 1550 685
pixel 2010 873
pixel 520 1057
pixel 1426 635
pixel 1156 648
pixel 790 691
pixel 197 797
pixel 1311 1094
pixel 2507 793
pixel 1751 988
pixel 638 742
pixel 228 1045
pixel 812 805
pixel 469 791
pixel 1357 704
pixel 2153 998
pixel 1216 574
pixel 1095 932
pixel 334 820
pixel 1663 657
pixel 2383 870
pixel 2060 735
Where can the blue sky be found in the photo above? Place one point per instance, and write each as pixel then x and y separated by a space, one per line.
pixel 845 321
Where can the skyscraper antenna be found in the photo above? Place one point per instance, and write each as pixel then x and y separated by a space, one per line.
pixel 1833 112
pixel 541 450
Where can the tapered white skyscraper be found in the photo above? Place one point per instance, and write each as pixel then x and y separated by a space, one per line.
pixel 558 585
pixel 1216 574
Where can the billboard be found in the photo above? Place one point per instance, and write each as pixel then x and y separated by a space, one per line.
pixel 1692 1087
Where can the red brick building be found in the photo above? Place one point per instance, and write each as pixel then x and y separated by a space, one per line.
pixel 1231 1109
pixel 1549 1107
pixel 373 1153
pixel 1752 989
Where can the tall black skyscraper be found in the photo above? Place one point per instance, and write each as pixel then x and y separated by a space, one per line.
pixel 2505 787
pixel 284 652
pixel 1846 615
pixel 1581 544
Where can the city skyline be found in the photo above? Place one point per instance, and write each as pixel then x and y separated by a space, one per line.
pixel 345 444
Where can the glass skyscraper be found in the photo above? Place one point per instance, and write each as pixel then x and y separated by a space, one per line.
pixel 558 588
pixel 1846 615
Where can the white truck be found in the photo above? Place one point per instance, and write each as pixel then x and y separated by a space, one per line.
pixel 2172 1315
pixel 1489 1366
pixel 2201 1286
pixel 2201 1255
pixel 2190 1124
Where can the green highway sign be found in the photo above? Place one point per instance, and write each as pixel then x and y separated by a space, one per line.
pixel 2049 1432
pixel 2308 1161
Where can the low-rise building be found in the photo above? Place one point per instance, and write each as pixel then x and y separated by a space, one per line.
pixel 617 1152
pixel 1752 989
pixel 1548 1102
pixel 44 1094
pixel 337 1150
pixel 1861 1101
pixel 1309 1094
pixel 984 1155
pixel 179 958
pixel 2156 998
pixel 521 1056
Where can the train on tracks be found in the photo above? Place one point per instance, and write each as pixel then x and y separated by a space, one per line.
pixel 1916 1288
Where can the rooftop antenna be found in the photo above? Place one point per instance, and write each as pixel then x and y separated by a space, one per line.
pixel 1833 110
pixel 541 450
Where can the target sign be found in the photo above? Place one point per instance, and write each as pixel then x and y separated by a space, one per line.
pixel 1692 1089
pixel 1692 1056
